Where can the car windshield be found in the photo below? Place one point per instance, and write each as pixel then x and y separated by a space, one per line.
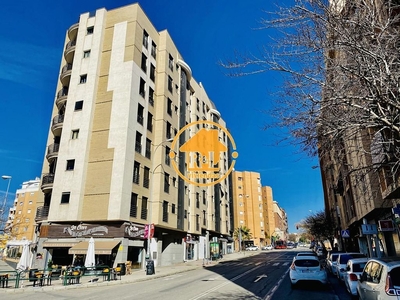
pixel 334 257
pixel 306 263
pixel 358 267
pixel 395 276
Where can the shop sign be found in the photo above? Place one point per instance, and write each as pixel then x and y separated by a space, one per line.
pixel 84 230
pixel 386 225
pixel 134 230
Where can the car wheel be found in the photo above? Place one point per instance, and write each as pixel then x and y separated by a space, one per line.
pixel 292 285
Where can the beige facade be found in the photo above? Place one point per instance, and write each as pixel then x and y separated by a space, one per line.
pixel 248 205
pixel 21 220
pixel 124 92
pixel 269 215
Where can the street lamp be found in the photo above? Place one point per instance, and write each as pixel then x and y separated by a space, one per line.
pixel 3 208
pixel 151 195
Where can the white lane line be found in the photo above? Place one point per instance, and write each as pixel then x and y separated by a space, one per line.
pixel 275 264
pixel 260 277
pixel 271 293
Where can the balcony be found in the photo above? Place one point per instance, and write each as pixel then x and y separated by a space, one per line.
pixel 65 75
pixel 70 51
pixel 62 96
pixel 52 151
pixel 57 124
pixel 47 182
pixel 42 213
pixel 73 31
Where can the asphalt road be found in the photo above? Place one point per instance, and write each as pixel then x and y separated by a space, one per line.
pixel 263 276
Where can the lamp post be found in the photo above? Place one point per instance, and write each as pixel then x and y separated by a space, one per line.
pixel 149 229
pixel 3 207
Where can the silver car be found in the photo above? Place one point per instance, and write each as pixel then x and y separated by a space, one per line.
pixel 380 279
pixel 342 260
pixel 331 262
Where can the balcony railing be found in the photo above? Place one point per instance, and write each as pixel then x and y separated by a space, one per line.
pixel 42 213
pixel 57 122
pixel 73 31
pixel 69 51
pixel 61 97
pixel 52 151
pixel 47 181
pixel 66 74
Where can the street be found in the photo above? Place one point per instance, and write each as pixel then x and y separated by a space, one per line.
pixel 262 276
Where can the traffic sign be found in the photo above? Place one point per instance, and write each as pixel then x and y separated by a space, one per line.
pixel 369 229
pixel 345 233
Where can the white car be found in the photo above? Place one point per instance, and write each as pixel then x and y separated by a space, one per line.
pixel 354 269
pixel 307 268
pixel 252 248
pixel 268 247
pixel 331 262
pixel 342 260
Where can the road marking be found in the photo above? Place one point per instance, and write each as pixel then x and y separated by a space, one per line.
pixel 275 264
pixel 260 277
pixel 172 277
pixel 286 263
pixel 223 284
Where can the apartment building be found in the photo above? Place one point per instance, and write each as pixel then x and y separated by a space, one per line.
pixel 269 215
pixel 20 224
pixel 124 93
pixel 360 183
pixel 248 205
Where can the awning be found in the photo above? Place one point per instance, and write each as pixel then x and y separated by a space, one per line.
pixel 100 247
pixel 58 244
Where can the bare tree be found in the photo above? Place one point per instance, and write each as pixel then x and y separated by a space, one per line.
pixel 319 226
pixel 341 67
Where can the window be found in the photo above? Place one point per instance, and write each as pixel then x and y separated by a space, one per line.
pixel 89 30
pixel 204 197
pixel 79 105
pixel 86 53
pixel 166 182
pixel 65 197
pixel 171 62
pixel 29 211
pixel 204 218
pixel 173 208
pixel 149 122
pixel 145 39
pixel 170 84
pixel 133 208
pixel 140 114
pixel 197 200
pixel 83 78
pixel 136 172
pixel 142 87
pixel 143 214
pixel 151 96
pixel 152 72
pixel 144 63
pixel 138 143
pixel 169 106
pixel 197 222
pixel 168 130
pixel 167 157
pixel 70 164
pixel 30 202
pixel 75 134
pixel 148 149
pixel 185 214
pixel 153 49
pixel 165 211
pixel 146 177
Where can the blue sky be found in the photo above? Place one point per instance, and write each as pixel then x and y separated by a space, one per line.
pixel 31 43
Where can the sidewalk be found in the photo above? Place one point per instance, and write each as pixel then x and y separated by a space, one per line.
pixel 137 275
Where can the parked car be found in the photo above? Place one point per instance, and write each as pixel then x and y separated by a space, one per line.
pixel 305 253
pixel 331 262
pixel 342 260
pixel 320 251
pixel 307 268
pixel 268 247
pixel 354 269
pixel 380 279
pixel 252 248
